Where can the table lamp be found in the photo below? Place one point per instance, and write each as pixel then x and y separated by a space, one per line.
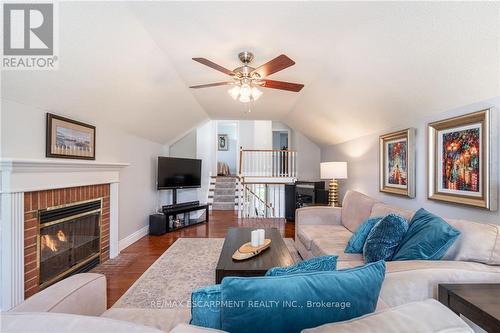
pixel 333 171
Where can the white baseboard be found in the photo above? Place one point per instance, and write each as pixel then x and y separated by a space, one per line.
pixel 132 238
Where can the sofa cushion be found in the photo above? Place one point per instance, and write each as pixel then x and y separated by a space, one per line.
pixel 477 242
pixel 307 233
pixel 184 328
pixel 416 280
pixel 428 238
pixel 384 238
pixel 163 319
pixel 427 316
pixel 291 303
pixel 356 208
pixel 83 294
pixel 358 239
pixel 47 322
pixel 382 209
pixel 316 264
pixel 332 247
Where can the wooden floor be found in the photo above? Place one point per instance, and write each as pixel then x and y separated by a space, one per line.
pixel 122 271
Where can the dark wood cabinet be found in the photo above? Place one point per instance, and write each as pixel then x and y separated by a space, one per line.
pixel 303 194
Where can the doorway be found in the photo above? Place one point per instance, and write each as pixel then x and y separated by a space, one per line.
pixel 227 148
pixel 280 140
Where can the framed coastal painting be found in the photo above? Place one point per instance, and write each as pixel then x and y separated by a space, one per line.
pixel 397 163
pixel 67 138
pixel 459 161
pixel 223 142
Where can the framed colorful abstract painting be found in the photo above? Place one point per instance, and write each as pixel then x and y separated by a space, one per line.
pixel 397 163
pixel 459 160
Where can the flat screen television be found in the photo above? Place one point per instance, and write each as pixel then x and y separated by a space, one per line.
pixel 176 173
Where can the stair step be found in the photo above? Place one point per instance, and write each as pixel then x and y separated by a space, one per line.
pixel 224 191
pixel 222 206
pixel 225 180
pixel 225 185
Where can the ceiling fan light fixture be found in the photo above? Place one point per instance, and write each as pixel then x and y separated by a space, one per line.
pixel 244 99
pixel 256 93
pixel 234 92
pixel 247 79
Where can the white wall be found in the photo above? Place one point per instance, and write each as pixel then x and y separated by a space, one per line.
pixel 205 150
pixel 308 156
pixel 362 157
pixel 246 133
pixel 256 134
pixel 23 136
pixel 263 134
pixel 185 147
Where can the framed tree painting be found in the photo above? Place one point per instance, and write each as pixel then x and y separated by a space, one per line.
pixel 459 161
pixel 397 163
pixel 67 138
pixel 223 142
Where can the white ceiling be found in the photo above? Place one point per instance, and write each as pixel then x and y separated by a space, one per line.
pixel 366 66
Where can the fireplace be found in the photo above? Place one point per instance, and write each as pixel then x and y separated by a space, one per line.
pixel 69 240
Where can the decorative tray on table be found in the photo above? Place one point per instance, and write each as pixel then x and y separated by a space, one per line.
pixel 247 251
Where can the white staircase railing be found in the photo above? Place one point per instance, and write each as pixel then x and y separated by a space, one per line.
pixel 262 200
pixel 268 163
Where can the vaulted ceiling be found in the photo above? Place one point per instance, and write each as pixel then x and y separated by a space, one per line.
pixel 366 66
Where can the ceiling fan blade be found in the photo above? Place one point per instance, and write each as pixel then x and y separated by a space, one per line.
pixel 277 64
pixel 212 85
pixel 296 87
pixel 213 65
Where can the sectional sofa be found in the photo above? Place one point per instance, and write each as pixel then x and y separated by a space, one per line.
pixel 78 305
pixel 473 258
pixel 406 304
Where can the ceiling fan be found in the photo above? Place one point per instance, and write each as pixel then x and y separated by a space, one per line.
pixel 246 79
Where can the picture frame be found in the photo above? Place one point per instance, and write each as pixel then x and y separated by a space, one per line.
pixel 67 138
pixel 397 162
pixel 460 168
pixel 222 142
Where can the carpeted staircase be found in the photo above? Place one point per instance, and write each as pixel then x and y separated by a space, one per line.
pixel 224 193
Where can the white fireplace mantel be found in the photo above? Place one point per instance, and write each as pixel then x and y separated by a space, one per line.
pixel 26 175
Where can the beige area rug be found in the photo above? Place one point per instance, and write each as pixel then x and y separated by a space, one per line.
pixel 188 264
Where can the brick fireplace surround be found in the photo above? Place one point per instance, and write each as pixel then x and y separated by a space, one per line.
pixel 37 200
pixel 28 185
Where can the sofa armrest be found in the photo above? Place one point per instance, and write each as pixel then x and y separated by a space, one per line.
pixel 319 215
pixel 82 294
pixel 322 215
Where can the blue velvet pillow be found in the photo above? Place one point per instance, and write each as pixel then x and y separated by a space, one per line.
pixel 384 238
pixel 428 238
pixel 205 307
pixel 317 264
pixel 291 303
pixel 358 239
pixel 206 304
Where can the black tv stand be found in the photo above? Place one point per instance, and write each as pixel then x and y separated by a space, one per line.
pixel 160 224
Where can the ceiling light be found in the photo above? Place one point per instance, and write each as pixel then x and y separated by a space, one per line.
pixel 234 92
pixel 256 93
pixel 244 92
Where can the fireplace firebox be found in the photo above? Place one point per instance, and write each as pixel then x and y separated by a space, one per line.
pixel 68 240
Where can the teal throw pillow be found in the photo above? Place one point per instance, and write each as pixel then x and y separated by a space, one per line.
pixel 384 238
pixel 428 238
pixel 358 239
pixel 317 264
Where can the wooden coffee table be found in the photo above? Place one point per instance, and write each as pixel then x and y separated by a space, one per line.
pixel 480 303
pixel 276 255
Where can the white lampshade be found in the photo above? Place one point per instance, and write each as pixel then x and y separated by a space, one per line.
pixel 333 170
